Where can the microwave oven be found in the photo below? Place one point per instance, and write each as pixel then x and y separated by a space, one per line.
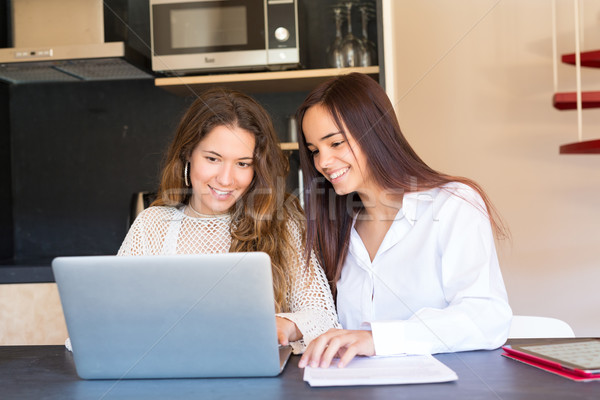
pixel 191 36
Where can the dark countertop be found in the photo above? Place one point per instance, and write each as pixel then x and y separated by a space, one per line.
pixel 26 272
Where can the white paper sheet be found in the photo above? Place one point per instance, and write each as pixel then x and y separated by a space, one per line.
pixel 381 371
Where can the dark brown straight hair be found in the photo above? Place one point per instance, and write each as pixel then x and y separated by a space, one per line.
pixel 358 103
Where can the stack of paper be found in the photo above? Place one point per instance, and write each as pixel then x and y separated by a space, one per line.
pixel 381 371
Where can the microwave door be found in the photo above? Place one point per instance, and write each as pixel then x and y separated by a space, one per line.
pixel 201 35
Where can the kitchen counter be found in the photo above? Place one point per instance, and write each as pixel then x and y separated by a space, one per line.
pixel 33 272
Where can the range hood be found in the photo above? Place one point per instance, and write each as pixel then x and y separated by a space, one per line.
pixel 64 40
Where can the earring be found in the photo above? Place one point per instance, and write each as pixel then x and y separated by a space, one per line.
pixel 186 170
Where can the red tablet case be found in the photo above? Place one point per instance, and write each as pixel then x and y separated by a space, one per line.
pixel 546 365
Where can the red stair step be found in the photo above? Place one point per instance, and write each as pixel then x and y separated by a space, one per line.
pixel 568 100
pixel 588 59
pixel 586 147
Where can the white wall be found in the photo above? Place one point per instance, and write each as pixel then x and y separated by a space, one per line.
pixel 472 85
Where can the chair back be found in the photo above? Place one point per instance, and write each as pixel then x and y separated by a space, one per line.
pixel 523 326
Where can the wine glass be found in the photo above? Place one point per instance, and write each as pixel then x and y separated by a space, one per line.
pixel 351 48
pixel 370 54
pixel 334 54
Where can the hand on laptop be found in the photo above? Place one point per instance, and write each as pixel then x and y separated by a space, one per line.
pixel 287 331
pixel 342 343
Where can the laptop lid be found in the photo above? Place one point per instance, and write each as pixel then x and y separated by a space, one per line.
pixel 179 316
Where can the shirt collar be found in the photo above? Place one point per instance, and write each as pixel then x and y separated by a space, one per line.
pixel 410 204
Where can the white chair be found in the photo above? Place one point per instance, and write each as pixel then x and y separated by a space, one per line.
pixel 538 327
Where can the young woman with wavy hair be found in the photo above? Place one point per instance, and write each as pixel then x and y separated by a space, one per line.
pixel 409 252
pixel 223 190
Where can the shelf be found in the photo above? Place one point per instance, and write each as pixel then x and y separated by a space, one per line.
pixel 586 147
pixel 289 146
pixel 259 82
pixel 568 100
pixel 588 59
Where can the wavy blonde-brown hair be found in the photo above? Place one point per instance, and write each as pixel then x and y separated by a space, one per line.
pixel 260 217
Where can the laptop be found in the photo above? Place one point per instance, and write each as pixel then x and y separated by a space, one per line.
pixel 184 316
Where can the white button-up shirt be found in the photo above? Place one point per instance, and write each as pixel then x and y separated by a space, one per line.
pixel 434 285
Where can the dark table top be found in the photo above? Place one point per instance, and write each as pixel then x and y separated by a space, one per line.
pixel 48 372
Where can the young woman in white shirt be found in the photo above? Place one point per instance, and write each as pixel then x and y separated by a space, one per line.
pixel 409 252
pixel 223 190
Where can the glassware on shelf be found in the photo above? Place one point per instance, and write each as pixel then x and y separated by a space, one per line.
pixel 370 53
pixel 292 132
pixel 334 54
pixel 351 48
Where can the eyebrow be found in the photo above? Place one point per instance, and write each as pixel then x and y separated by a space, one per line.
pixel 218 155
pixel 325 137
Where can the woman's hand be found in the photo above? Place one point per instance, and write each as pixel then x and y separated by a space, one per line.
pixel 287 331
pixel 343 343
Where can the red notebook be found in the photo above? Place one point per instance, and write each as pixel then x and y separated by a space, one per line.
pixel 574 359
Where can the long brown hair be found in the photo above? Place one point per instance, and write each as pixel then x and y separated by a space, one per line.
pixel 260 216
pixel 359 103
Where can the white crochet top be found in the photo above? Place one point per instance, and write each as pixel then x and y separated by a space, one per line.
pixel 168 230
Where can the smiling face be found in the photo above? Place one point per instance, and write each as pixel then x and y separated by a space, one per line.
pixel 337 157
pixel 221 169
